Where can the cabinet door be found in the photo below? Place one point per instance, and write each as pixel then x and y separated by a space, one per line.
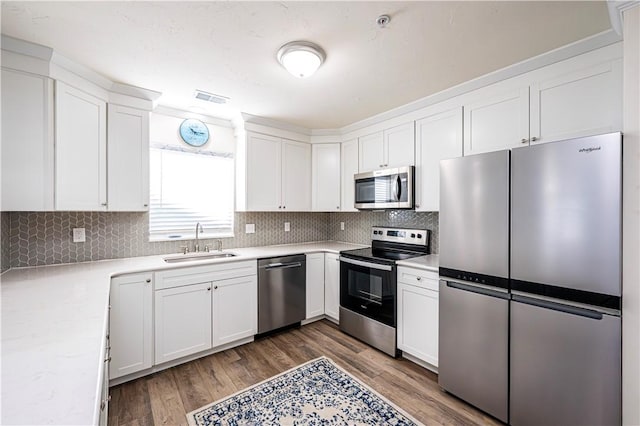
pixel 399 146
pixel 418 322
pixel 296 176
pixel 437 137
pixel 349 167
pixel 582 103
pixel 371 152
pixel 182 321
pixel 264 170
pixel 315 285
pixel 326 177
pixel 27 136
pixel 332 286
pixel 497 122
pixel 131 324
pixel 81 150
pixel 235 309
pixel 128 159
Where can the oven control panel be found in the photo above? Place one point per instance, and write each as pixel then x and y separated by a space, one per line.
pixel 400 235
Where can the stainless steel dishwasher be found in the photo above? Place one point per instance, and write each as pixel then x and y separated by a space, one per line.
pixel 281 291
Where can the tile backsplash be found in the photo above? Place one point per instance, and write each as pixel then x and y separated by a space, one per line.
pixel 43 238
pixel 357 225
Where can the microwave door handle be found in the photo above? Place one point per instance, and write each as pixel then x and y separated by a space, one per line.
pixel 398 188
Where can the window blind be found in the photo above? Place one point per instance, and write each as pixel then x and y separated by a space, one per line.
pixel 189 187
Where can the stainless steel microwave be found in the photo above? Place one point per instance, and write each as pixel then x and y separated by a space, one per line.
pixel 385 189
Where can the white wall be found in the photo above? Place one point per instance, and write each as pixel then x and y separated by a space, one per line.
pixel 164 129
pixel 631 222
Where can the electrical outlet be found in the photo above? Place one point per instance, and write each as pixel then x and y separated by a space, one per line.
pixel 287 227
pixel 78 235
pixel 342 226
pixel 250 228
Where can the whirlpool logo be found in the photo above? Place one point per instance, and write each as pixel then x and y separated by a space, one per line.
pixel 588 150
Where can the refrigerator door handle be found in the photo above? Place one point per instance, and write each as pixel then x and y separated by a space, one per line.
pixel 478 290
pixel 572 310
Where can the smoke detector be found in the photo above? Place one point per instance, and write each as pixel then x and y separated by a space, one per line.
pixel 210 97
pixel 383 20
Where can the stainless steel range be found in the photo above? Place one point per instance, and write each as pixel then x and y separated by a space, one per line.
pixel 368 284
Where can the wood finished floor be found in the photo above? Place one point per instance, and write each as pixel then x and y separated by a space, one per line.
pixel 165 397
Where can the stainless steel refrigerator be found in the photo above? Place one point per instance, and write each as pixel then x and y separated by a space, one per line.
pixel 530 257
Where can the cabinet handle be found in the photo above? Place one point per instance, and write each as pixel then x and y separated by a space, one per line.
pixel 417 206
pixel 419 278
pixel 103 204
pixel 381 165
pixel 107 359
pixel 215 287
pixel 148 280
pixel 524 140
pixel 284 207
pixel 533 139
pixel 337 207
pixel 208 288
pixel 145 205
pixel 279 207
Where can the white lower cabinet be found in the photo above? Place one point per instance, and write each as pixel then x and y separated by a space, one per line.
pixel 418 314
pixel 235 309
pixel 183 321
pixel 131 324
pixel 332 286
pixel 201 307
pixel 315 285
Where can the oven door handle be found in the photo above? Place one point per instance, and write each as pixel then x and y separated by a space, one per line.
pixel 366 264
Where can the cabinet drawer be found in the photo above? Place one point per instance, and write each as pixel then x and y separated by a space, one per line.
pixel 199 274
pixel 418 277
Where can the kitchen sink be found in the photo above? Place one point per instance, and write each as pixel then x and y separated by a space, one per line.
pixel 189 257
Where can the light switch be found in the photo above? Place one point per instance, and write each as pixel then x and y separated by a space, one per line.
pixel 287 227
pixel 250 228
pixel 78 235
pixel 342 226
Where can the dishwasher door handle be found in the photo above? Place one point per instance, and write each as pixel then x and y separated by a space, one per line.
pixel 280 265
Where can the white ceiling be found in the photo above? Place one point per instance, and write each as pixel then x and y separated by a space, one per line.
pixel 229 48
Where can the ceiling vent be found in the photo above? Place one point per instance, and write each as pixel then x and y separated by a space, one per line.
pixel 210 97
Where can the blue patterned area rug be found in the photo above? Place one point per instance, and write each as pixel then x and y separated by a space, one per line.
pixel 315 393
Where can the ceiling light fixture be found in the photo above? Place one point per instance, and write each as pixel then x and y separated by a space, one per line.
pixel 301 58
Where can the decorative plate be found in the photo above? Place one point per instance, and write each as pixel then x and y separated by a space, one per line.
pixel 194 132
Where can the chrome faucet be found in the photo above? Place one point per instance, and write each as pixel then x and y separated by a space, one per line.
pixel 197 244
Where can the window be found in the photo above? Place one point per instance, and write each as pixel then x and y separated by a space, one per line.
pixel 188 187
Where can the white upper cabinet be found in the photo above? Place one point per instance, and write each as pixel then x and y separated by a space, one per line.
pixel 278 174
pixel 371 152
pixel 392 147
pixel 577 97
pixel 296 176
pixel 438 137
pixel 81 150
pixel 349 164
pixel 399 146
pixel 264 172
pixel 128 159
pixel 500 120
pixel 325 179
pixel 579 103
pixel 27 142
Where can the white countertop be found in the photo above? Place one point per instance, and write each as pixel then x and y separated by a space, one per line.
pixel 427 263
pixel 54 319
